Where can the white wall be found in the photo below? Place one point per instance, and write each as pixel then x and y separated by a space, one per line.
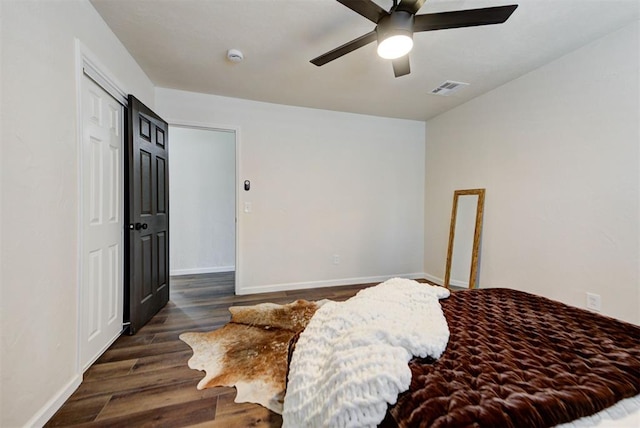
pixel 39 249
pixel 202 191
pixel 558 152
pixel 322 184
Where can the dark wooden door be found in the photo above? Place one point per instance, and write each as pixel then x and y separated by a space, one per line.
pixel 147 288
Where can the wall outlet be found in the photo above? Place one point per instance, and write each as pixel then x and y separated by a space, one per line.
pixel 336 259
pixel 594 302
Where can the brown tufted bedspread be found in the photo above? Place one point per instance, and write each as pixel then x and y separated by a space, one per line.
pixel 519 360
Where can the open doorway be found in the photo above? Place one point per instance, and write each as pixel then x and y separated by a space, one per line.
pixel 202 197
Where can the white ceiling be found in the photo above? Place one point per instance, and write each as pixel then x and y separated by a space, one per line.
pixel 182 44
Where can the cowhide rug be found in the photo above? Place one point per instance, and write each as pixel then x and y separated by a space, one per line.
pixel 251 352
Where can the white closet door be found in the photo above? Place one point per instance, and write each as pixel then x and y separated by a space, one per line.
pixel 101 290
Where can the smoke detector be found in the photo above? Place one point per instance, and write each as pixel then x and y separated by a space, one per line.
pixel 448 87
pixel 234 55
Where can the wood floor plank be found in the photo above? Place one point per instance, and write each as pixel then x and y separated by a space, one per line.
pixel 144 380
pixel 109 370
pixel 76 412
pixel 232 414
pixel 134 401
pixel 188 414
pixel 138 381
pixel 161 362
pixel 140 351
pixel 126 341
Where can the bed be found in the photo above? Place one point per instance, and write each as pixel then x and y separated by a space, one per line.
pixel 513 359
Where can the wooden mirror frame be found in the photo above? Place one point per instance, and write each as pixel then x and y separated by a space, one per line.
pixel 476 235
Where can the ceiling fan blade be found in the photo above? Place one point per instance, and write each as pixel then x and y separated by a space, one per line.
pixel 401 66
pixel 366 8
pixel 345 49
pixel 411 6
pixel 463 18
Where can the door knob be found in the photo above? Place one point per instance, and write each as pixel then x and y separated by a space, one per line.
pixel 138 226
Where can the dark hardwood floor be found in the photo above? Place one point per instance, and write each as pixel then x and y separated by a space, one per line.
pixel 144 380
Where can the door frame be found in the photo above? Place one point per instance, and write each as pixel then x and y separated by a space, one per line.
pixel 224 128
pixel 86 63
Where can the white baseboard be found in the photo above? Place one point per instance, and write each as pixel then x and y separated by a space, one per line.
pixel 458 283
pixel 318 284
pixel 433 278
pixel 53 405
pixel 440 281
pixel 195 271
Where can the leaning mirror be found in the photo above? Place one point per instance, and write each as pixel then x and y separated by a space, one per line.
pixel 464 238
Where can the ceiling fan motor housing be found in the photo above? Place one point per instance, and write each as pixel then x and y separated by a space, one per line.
pixel 396 24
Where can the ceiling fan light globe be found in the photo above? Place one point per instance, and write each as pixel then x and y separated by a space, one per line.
pixel 395 46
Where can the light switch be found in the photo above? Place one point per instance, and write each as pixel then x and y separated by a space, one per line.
pixel 247 207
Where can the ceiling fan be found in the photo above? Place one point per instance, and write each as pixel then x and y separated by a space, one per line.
pixel 394 29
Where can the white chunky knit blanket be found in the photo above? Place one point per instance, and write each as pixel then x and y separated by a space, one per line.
pixel 352 358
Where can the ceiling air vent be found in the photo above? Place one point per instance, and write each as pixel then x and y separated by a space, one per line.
pixel 448 87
